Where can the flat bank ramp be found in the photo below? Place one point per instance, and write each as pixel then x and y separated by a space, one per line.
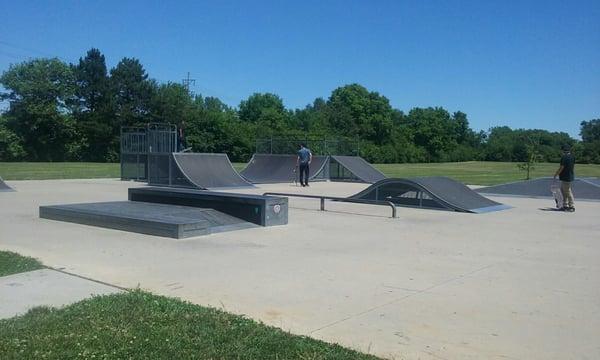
pixel 353 168
pixel 208 171
pixel 279 168
pixel 583 188
pixel 435 192
pixel 4 187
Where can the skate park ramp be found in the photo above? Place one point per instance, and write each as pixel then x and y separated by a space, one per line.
pixel 353 168
pixel 583 188
pixel 280 168
pixel 207 171
pixel 435 192
pixel 4 187
pixel 172 221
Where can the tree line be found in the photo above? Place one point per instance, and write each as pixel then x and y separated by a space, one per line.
pixel 74 112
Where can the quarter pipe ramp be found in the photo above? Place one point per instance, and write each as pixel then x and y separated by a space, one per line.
pixel 4 187
pixel 430 192
pixel 353 168
pixel 276 168
pixel 196 170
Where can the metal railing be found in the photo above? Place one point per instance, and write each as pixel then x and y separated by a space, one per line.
pixel 339 199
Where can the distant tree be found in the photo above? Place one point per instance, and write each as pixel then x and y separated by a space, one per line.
pixel 93 108
pixel 590 130
pixel 266 111
pixel 39 92
pixel 434 130
pixel 132 92
pixel 253 108
pixel 171 103
pixel 533 156
pixel 353 111
pixel 11 146
pixel 590 134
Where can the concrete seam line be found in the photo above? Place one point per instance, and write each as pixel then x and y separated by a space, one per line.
pixel 87 278
pixel 402 298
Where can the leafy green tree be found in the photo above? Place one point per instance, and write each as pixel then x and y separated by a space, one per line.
pixel 132 92
pixel 172 103
pixel 533 156
pixel 93 108
pixel 266 111
pixel 39 92
pixel 11 146
pixel 353 111
pixel 590 130
pixel 590 148
pixel 435 131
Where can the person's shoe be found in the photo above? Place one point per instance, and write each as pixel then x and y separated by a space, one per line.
pixel 570 209
pixel 307 184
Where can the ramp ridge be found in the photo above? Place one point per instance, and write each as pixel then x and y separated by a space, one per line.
pixel 458 197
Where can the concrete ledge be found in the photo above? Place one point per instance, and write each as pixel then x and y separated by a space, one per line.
pixel 146 218
pixel 257 209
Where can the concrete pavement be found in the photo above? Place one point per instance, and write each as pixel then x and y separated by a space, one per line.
pixel 516 284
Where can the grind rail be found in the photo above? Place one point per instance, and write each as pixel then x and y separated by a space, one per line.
pixel 340 199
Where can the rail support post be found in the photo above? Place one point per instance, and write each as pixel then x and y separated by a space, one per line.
pixel 322 204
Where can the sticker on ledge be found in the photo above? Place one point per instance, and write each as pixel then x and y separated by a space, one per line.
pixel 277 209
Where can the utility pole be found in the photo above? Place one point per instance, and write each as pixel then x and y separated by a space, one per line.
pixel 187 82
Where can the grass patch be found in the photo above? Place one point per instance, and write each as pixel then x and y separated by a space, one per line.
pixel 140 325
pixel 471 172
pixel 481 172
pixel 58 170
pixel 13 263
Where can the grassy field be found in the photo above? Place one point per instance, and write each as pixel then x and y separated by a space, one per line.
pixel 139 325
pixel 473 172
pixel 480 172
pixel 58 170
pixel 12 263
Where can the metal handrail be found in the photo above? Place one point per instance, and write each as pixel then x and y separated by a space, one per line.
pixel 340 199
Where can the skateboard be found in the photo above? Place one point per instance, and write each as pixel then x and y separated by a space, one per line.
pixel 558 198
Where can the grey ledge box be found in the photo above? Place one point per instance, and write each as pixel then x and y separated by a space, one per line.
pixel 257 209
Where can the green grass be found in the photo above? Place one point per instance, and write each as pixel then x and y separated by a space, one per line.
pixel 472 172
pixel 139 325
pixel 12 263
pixel 480 172
pixel 58 170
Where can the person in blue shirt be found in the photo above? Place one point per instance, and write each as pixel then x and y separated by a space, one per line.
pixel 303 163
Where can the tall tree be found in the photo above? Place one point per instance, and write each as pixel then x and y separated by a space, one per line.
pixel 590 130
pixel 93 109
pixel 132 92
pixel 354 111
pixel 39 92
pixel 266 111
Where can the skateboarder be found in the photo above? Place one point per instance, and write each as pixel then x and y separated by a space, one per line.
pixel 566 175
pixel 303 162
pixel 182 142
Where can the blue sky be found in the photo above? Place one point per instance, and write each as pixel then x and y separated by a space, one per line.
pixel 525 64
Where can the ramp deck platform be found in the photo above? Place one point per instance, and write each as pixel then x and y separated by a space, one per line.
pixel 146 218
pixel 257 209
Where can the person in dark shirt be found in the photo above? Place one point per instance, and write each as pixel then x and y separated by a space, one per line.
pixel 566 175
pixel 303 162
pixel 182 143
